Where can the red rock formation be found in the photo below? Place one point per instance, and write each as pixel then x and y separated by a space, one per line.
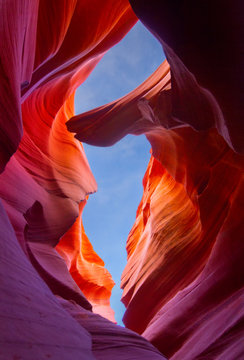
pixel 183 284
pixel 190 213
pixel 87 268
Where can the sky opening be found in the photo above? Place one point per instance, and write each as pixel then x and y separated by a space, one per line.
pixel 110 213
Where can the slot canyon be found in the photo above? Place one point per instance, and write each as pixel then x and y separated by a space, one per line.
pixel 183 280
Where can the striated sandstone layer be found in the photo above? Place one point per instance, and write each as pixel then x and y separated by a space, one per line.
pixel 47 49
pixel 183 283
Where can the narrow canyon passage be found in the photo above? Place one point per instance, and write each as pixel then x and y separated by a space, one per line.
pixel 110 213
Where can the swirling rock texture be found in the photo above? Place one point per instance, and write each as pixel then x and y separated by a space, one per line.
pixel 183 283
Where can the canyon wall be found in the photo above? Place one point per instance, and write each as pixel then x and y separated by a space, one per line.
pixel 183 282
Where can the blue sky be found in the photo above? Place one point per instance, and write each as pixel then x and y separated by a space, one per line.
pixel 119 169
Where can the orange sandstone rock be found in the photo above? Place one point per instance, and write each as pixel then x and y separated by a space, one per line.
pixel 87 268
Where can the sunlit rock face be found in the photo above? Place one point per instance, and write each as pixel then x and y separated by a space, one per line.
pixel 184 277
pixel 186 248
pixel 87 268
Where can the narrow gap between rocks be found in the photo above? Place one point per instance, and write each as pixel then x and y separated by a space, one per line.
pixel 110 213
